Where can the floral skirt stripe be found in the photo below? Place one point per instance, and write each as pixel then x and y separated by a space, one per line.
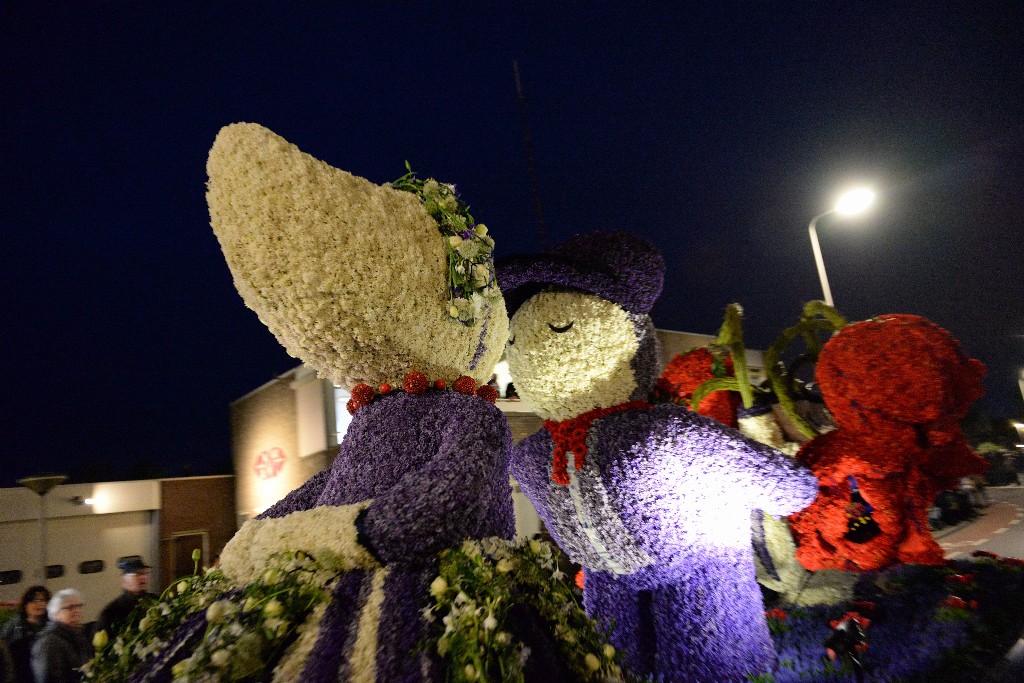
pixel 328 662
pixel 363 661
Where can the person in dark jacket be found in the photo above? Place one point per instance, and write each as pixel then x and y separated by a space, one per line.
pixel 61 649
pixel 134 581
pixel 20 632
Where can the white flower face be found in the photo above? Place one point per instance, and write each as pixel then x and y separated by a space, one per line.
pixel 569 353
pixel 351 277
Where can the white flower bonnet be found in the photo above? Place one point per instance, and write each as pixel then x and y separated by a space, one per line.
pixel 351 277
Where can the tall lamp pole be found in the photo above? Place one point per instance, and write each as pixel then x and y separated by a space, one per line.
pixel 849 204
pixel 42 485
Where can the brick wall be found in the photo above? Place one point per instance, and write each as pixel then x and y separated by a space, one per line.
pixel 264 444
pixel 196 512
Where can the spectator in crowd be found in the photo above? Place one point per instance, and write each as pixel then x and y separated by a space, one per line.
pixel 134 581
pixel 61 649
pixel 19 633
pixel 6 664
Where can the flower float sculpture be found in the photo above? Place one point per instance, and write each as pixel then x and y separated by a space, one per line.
pixel 366 284
pixel 896 386
pixel 653 500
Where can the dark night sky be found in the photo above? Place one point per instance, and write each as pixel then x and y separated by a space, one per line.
pixel 715 133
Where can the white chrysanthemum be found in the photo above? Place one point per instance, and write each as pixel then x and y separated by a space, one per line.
pixel 564 371
pixel 351 277
pixel 327 528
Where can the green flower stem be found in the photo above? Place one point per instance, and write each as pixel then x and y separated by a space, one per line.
pixel 730 335
pixel 808 327
pixel 715 384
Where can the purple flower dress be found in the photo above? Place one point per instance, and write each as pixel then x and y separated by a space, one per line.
pixel 659 516
pixel 436 467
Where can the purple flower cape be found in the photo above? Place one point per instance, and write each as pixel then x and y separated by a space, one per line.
pixel 660 518
pixel 436 467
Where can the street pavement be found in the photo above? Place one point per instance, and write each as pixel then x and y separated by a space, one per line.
pixel 999 529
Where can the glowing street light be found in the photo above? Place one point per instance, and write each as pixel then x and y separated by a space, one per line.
pixel 850 203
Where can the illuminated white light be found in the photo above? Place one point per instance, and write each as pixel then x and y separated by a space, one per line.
pixel 855 201
pixel 89 501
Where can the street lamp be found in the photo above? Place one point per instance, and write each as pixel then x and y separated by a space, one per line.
pixel 850 203
pixel 42 485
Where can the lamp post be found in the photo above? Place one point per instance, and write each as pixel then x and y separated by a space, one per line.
pixel 849 204
pixel 42 485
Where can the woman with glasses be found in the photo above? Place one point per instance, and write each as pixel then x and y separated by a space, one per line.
pixel 21 632
pixel 62 648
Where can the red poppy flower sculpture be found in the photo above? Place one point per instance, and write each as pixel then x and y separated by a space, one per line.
pixel 896 386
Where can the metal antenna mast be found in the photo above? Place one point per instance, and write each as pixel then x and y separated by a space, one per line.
pixel 530 160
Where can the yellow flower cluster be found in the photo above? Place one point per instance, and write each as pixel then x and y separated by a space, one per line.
pixel 351 277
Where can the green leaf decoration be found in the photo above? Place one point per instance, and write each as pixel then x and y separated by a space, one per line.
pixel 716 384
pixel 817 316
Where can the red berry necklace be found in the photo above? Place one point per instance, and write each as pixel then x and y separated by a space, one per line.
pixel 417 383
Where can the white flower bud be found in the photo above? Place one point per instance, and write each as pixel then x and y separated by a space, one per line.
pixel 221 657
pixel 100 640
pixel 609 651
pixel 592 662
pixel 273 608
pixel 454 241
pixel 438 586
pixel 215 612
pixel 490 623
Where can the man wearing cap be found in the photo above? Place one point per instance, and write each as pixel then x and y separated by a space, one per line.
pixel 135 581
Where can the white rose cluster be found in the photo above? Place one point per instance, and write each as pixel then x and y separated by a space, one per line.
pixel 351 277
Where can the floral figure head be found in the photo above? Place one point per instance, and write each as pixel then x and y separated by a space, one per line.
pixel 581 336
pixel 900 368
pixel 351 277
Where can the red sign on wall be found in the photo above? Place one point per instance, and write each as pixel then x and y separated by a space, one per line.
pixel 269 463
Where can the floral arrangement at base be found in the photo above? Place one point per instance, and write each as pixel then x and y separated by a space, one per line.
pixel 481 592
pixel 203 629
pixel 952 622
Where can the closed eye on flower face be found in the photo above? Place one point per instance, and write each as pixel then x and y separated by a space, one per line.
pixel 559 328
